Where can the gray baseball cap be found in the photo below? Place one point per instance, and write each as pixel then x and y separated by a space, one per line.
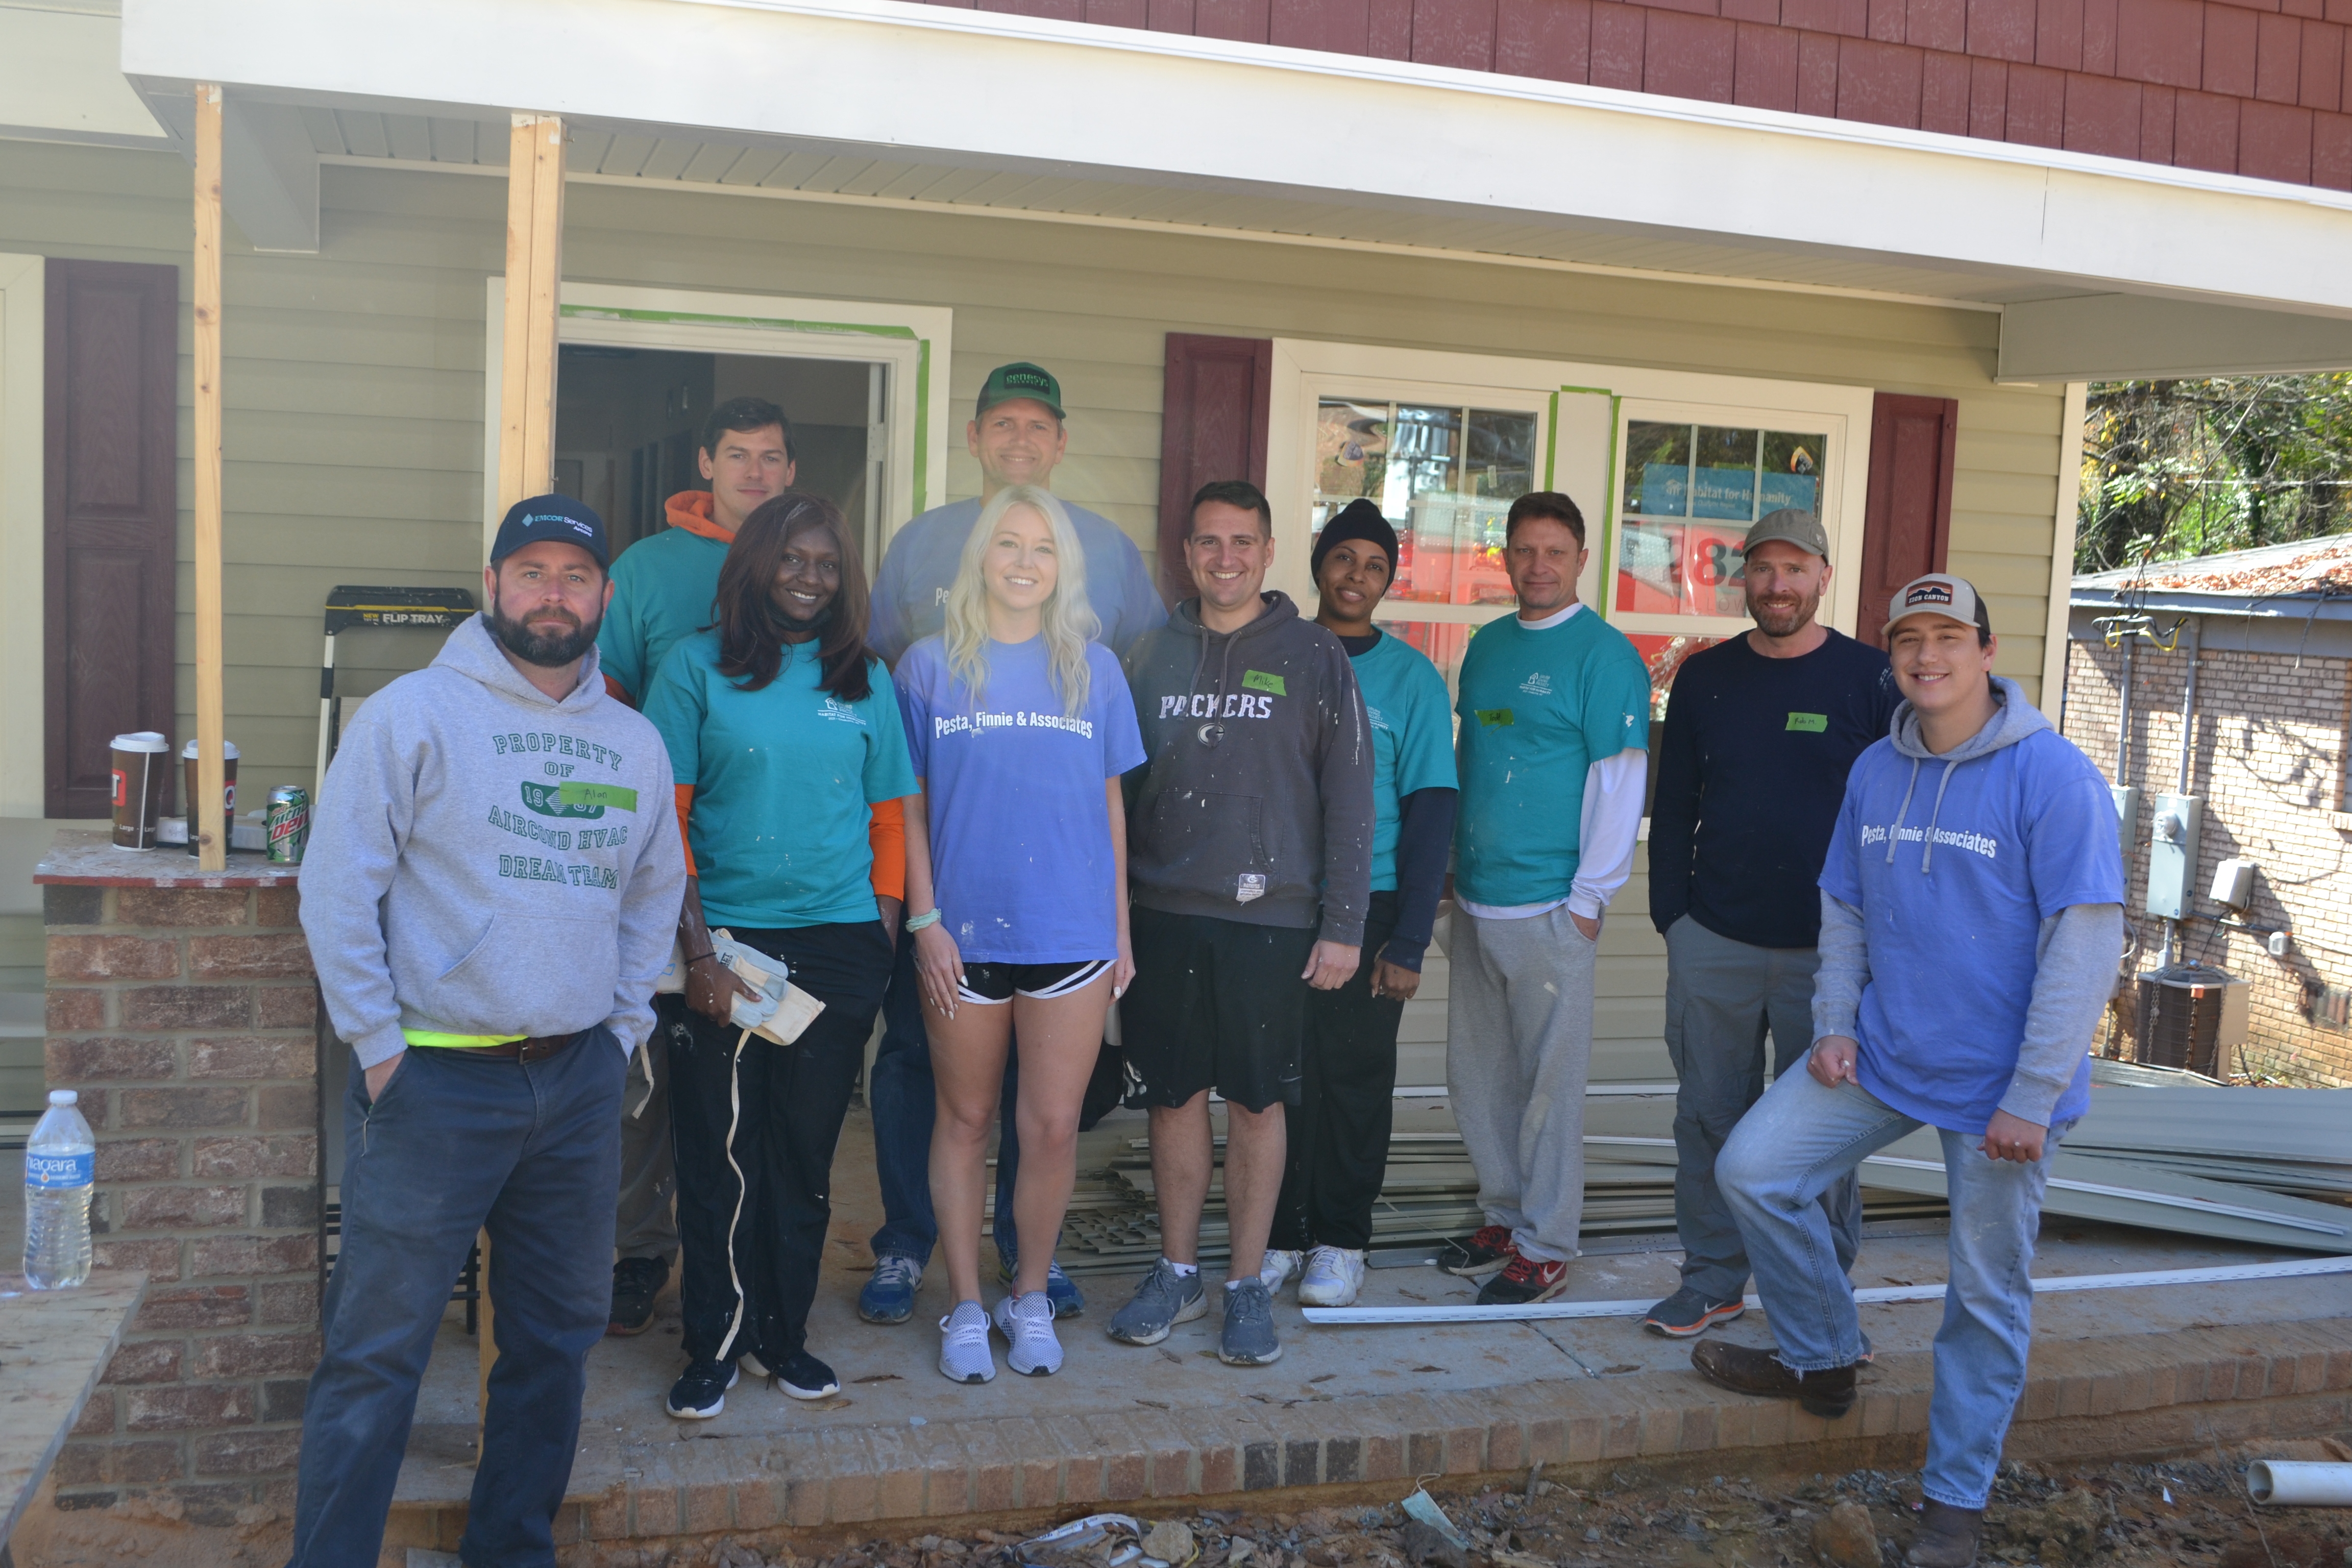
pixel 1939 593
pixel 1794 524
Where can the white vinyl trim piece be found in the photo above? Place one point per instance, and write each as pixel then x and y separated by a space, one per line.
pixel 1549 1311
pixel 2062 553
pixel 2142 1195
pixel 23 657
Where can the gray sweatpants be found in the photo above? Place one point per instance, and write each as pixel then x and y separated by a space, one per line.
pixel 1518 1030
pixel 645 1224
pixel 1722 998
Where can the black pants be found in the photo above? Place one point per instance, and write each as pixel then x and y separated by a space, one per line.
pixel 755 1124
pixel 1346 1105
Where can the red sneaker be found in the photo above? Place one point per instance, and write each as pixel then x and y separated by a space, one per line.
pixel 1487 1250
pixel 1523 1280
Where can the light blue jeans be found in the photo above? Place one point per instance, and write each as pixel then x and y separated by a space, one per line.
pixel 1799 1141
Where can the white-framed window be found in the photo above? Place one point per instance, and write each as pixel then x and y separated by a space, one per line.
pixel 1668 467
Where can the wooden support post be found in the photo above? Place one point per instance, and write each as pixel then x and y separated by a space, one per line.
pixel 526 406
pixel 206 816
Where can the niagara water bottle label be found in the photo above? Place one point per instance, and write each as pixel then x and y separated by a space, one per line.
pixel 49 1172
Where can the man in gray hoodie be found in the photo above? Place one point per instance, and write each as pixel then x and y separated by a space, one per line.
pixel 1970 940
pixel 1249 865
pixel 493 881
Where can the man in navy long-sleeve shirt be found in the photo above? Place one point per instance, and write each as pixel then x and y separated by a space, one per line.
pixel 1760 733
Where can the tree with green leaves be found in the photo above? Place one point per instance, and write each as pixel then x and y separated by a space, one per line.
pixel 2178 468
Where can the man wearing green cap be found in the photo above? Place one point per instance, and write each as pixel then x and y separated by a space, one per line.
pixel 1018 435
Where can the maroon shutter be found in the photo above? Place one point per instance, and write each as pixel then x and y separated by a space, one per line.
pixel 1907 525
pixel 1212 426
pixel 110 520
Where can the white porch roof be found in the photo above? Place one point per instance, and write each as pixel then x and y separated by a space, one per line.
pixel 2101 267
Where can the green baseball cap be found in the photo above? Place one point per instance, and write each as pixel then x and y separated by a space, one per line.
pixel 1020 379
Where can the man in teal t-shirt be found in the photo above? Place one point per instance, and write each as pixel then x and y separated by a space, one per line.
pixel 662 588
pixel 1555 729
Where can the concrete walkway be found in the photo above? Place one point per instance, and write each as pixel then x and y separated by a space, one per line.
pixel 2147 1369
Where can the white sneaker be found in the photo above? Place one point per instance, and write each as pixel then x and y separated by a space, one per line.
pixel 753 1364
pixel 964 1353
pixel 1279 1267
pixel 1027 1324
pixel 1334 1275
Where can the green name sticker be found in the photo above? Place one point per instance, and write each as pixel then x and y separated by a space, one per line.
pixel 1812 724
pixel 620 797
pixel 1494 718
pixel 1259 680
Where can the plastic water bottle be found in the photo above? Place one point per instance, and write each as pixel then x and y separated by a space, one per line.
pixel 58 1167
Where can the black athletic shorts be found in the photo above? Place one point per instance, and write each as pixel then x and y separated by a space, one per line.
pixel 1215 1004
pixel 989 983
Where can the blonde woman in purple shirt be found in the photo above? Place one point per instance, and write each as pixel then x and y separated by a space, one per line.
pixel 1020 725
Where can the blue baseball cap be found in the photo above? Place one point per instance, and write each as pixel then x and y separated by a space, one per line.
pixel 556 519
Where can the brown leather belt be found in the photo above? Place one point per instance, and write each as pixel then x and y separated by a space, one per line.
pixel 537 1049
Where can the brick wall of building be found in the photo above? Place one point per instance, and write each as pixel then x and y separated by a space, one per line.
pixel 2245 87
pixel 187 1018
pixel 2268 759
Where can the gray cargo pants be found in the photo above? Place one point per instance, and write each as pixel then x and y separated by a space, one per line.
pixel 1519 1028
pixel 1722 998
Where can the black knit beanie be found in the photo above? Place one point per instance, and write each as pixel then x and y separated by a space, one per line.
pixel 1360 518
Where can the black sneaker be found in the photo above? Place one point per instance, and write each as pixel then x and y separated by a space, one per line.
pixel 701 1393
pixel 1488 1248
pixel 637 1283
pixel 1688 1313
pixel 804 1377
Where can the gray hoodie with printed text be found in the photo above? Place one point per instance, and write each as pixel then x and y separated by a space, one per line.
pixel 1257 804
pixel 487 861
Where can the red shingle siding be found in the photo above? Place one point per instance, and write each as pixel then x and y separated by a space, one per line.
pixel 2250 87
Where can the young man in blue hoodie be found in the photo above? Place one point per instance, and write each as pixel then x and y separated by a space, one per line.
pixel 1971 923
pixel 492 884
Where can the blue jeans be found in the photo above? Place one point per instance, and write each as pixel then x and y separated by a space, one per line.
pixel 462 1143
pixel 904 1100
pixel 1798 1143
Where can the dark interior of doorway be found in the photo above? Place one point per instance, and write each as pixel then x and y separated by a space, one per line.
pixel 626 421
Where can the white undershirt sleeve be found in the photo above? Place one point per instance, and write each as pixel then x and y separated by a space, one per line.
pixel 1613 787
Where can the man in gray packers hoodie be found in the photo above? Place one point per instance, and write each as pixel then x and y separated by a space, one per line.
pixel 1971 923
pixel 1249 865
pixel 492 884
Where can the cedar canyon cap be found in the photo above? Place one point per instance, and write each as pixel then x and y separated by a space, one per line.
pixel 1793 524
pixel 1020 379
pixel 1939 593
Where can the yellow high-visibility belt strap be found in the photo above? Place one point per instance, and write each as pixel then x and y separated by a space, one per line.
pixel 458 1042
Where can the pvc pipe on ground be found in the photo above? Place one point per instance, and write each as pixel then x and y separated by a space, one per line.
pixel 2300 1483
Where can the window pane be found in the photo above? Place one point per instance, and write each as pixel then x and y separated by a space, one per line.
pixel 1502 454
pixel 1681 569
pixel 1792 476
pixel 1444 477
pixel 1657 468
pixel 1724 483
pixel 1664 656
pixel 1350 453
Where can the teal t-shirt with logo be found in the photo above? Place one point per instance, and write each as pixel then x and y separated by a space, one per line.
pixel 1413 739
pixel 1538 708
pixel 783 778
pixel 662 588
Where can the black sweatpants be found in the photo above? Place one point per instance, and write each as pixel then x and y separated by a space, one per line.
pixel 1346 1105
pixel 754 1124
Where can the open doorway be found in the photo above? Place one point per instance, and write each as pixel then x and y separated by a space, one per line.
pixel 627 423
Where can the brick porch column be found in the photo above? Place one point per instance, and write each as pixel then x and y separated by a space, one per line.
pixel 183 1009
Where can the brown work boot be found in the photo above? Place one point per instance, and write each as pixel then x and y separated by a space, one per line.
pixel 1828 1394
pixel 1947 1538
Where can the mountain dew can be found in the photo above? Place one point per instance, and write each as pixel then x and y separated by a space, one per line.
pixel 289 823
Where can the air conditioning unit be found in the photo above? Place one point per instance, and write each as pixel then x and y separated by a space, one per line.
pixel 2188 1016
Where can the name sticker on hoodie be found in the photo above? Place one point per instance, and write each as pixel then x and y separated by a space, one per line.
pixel 1259 680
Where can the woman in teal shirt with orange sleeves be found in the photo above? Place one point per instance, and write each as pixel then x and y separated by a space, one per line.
pixel 783 730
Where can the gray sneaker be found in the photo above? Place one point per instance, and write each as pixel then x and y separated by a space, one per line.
pixel 1248 1338
pixel 1164 1300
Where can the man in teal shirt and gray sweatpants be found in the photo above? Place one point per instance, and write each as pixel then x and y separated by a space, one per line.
pixel 1555 710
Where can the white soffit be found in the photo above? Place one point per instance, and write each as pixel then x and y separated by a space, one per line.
pixel 59 79
pixel 927 87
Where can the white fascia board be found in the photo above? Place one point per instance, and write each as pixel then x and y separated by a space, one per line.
pixel 924 82
pixel 61 80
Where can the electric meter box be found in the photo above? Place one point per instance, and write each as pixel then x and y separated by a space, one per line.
pixel 2172 855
